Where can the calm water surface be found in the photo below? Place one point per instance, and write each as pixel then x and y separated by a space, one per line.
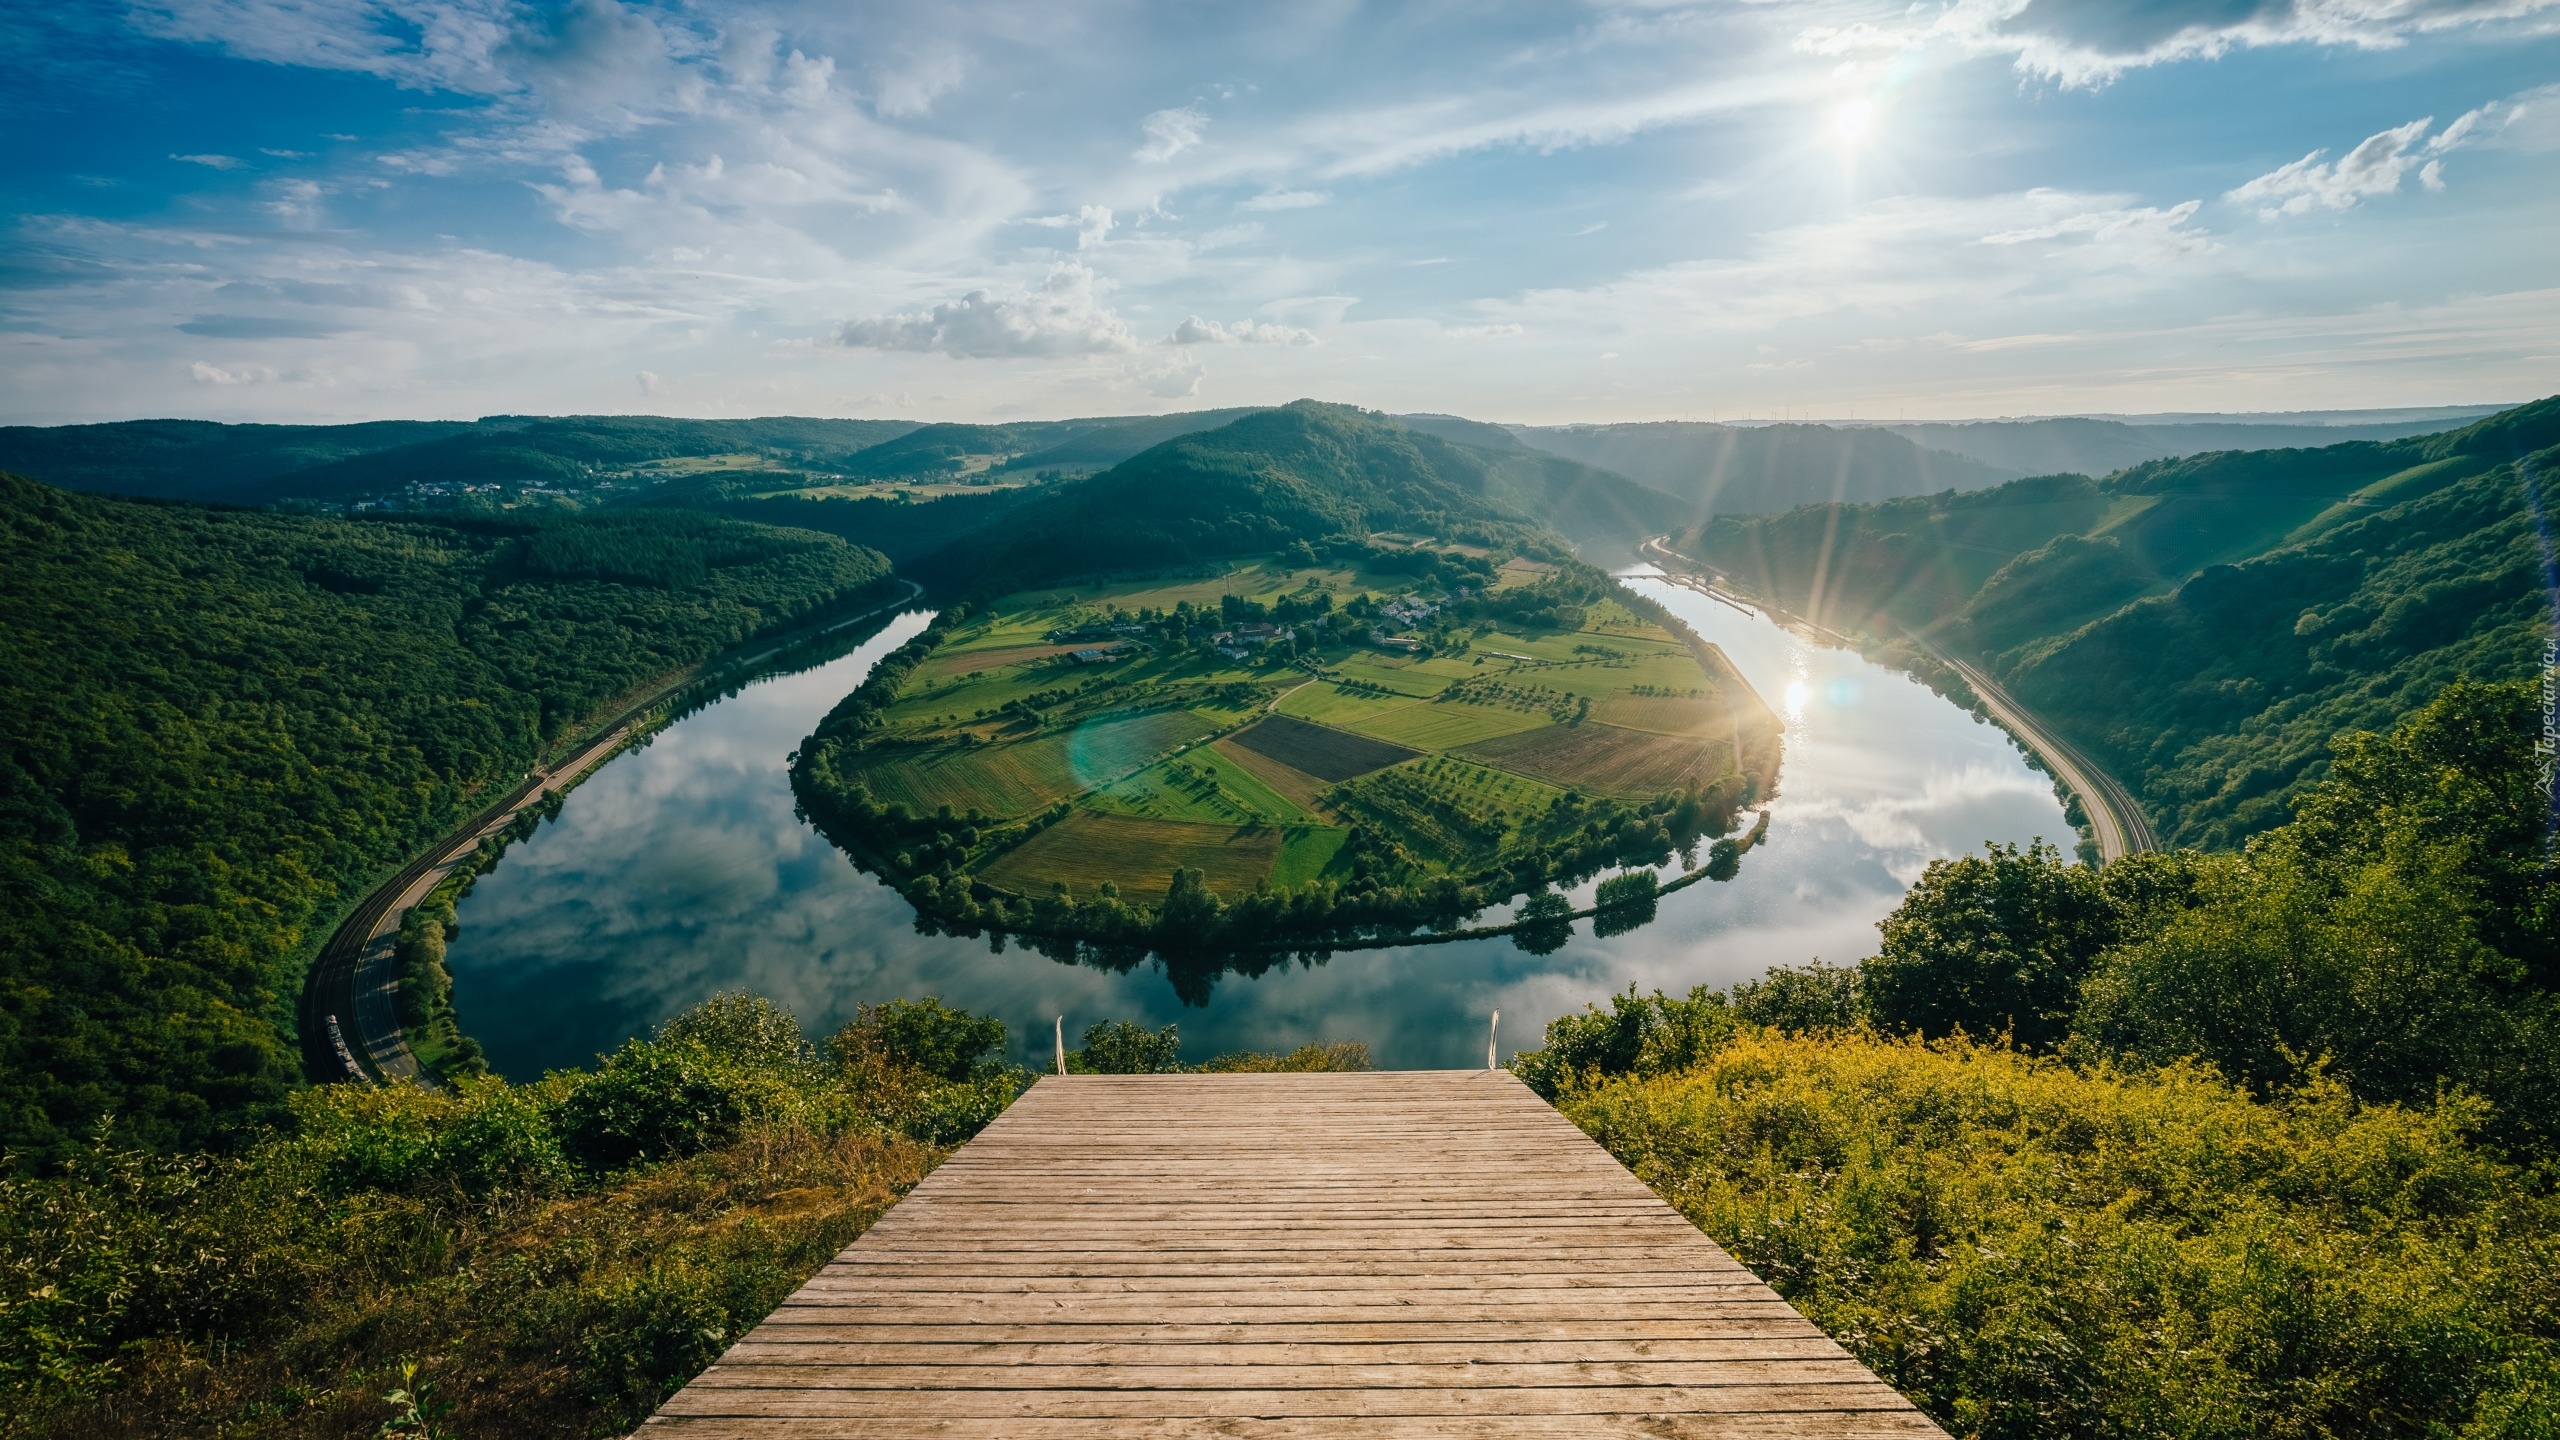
pixel 679 870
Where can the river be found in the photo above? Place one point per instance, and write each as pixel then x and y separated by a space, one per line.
pixel 679 870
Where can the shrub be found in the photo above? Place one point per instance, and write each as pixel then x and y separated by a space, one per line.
pixel 1335 1056
pixel 924 1035
pixel 1637 1034
pixel 1124 1047
pixel 744 1029
pixel 654 1102
pixel 2030 1250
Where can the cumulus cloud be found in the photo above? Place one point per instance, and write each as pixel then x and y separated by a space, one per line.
pixel 1092 224
pixel 1196 331
pixel 648 383
pixel 2373 168
pixel 2087 42
pixel 1169 133
pixel 1064 316
pixel 1172 378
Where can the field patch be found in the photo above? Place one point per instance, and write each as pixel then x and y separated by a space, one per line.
pixel 1319 750
pixel 1025 775
pixel 1137 854
pixel 1305 854
pixel 1291 783
pixel 1446 724
pixel 1199 784
pixel 970 662
pixel 1666 715
pixel 1606 758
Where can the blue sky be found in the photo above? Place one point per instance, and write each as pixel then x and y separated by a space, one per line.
pixel 303 210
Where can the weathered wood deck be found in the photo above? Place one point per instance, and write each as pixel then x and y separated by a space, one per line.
pixel 1419 1254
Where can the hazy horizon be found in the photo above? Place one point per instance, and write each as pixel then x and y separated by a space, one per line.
pixel 262 210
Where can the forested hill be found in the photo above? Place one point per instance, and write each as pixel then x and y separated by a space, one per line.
pixel 259 464
pixel 1305 472
pixel 1754 469
pixel 2203 625
pixel 216 726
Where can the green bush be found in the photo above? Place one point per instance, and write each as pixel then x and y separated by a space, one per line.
pixel 926 1035
pixel 1636 1035
pixel 654 1102
pixel 1124 1047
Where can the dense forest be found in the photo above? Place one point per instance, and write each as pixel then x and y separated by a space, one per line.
pixel 2201 626
pixel 220 725
pixel 257 464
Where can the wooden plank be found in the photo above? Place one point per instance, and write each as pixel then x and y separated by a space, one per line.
pixel 1422 1255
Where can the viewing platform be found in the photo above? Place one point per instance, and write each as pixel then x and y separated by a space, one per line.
pixel 1387 1254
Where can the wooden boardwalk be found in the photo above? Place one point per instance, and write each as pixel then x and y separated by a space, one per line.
pixel 1408 1254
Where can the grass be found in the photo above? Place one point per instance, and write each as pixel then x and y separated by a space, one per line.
pixel 1664 715
pixel 1605 758
pixel 1020 777
pixel 1305 854
pixel 1200 784
pixel 1445 725
pixel 1137 854
pixel 1327 703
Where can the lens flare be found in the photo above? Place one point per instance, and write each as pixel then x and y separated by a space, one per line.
pixel 1852 121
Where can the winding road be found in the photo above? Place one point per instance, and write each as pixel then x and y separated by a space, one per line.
pixel 350 1008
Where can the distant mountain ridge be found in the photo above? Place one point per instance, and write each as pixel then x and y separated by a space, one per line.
pixel 2098 445
pixel 1716 469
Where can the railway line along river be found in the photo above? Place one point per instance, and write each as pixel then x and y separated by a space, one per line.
pixel 681 869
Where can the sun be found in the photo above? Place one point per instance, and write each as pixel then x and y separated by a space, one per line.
pixel 1852 121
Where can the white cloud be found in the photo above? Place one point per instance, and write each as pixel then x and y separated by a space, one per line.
pixel 1196 331
pixel 211 162
pixel 204 374
pixel 1092 224
pixel 1167 378
pixel 1169 133
pixel 1064 316
pixel 2089 42
pixel 2373 168
pixel 911 88
pixel 648 383
pixel 1286 200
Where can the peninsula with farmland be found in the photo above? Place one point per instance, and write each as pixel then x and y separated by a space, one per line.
pixel 1406 707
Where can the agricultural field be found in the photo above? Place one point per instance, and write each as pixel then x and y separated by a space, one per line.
pixel 1250 725
pixel 1137 855
pixel 1593 756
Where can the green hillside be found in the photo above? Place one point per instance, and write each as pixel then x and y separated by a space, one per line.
pixel 220 725
pixel 1754 469
pixel 2201 625
pixel 1306 472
